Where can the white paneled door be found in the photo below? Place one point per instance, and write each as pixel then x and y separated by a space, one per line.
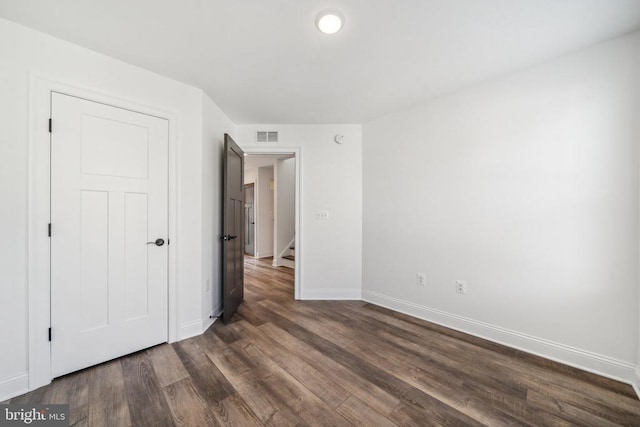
pixel 109 249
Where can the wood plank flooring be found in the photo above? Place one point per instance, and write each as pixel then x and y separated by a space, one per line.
pixel 283 362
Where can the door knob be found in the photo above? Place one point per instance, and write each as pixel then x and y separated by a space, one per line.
pixel 228 237
pixel 158 242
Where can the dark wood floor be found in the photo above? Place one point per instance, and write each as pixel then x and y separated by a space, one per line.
pixel 285 362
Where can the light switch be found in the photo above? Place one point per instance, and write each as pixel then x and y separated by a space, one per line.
pixel 322 214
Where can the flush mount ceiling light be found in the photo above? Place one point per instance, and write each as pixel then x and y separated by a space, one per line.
pixel 329 21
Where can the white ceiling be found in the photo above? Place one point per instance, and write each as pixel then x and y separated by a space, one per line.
pixel 263 61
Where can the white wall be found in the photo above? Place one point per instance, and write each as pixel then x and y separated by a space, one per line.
pixel 636 382
pixel 331 253
pixel 527 188
pixel 284 213
pixel 24 51
pixel 250 175
pixel 215 125
pixel 264 210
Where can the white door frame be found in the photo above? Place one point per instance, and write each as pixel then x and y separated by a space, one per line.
pixel 39 280
pixel 297 154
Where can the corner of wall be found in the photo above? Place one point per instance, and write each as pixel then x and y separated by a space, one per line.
pixel 635 383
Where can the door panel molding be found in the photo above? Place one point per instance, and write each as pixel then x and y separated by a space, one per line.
pixel 39 298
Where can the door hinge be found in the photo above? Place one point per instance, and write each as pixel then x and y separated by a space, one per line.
pixel 49 229
pixel 49 334
pixel 50 125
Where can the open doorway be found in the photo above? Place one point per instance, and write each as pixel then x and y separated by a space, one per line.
pixel 249 219
pixel 271 205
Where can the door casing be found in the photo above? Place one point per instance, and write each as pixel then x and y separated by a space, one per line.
pixel 39 298
pixel 299 242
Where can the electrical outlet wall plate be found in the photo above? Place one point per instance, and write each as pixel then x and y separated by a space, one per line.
pixel 421 279
pixel 461 286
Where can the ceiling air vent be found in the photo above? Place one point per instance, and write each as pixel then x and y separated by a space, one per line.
pixel 264 136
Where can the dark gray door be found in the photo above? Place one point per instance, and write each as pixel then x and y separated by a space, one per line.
pixel 249 220
pixel 232 228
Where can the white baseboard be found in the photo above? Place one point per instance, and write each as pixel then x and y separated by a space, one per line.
pixel 331 294
pixel 190 329
pixel 266 254
pixel 197 327
pixel 582 359
pixel 213 316
pixel 636 381
pixel 208 321
pixel 13 386
pixel 281 262
pixel 218 311
pixel 287 263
